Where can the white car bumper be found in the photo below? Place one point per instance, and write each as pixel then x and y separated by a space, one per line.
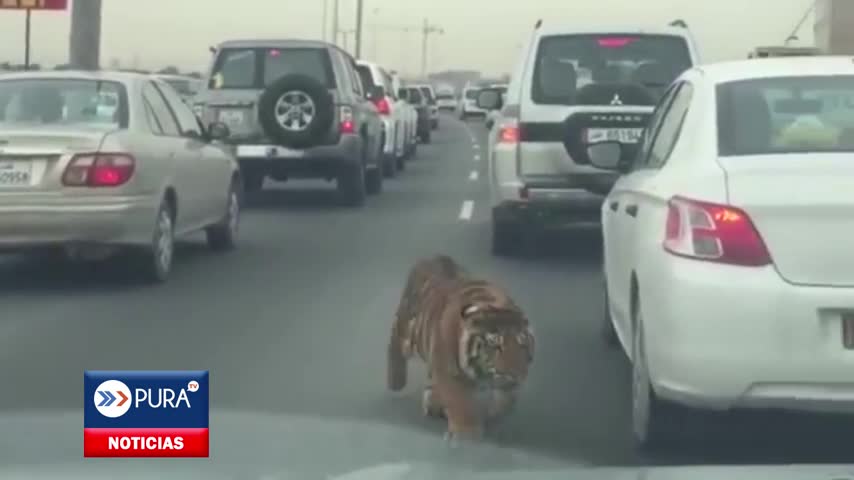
pixel 728 337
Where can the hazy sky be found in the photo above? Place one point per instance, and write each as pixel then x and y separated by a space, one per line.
pixel 479 34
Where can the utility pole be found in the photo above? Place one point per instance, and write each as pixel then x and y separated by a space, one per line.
pixel 85 42
pixel 324 29
pixel 360 6
pixel 426 31
pixel 335 21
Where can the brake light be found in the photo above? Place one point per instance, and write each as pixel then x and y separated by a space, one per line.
pixel 383 106
pixel 615 42
pixel 509 133
pixel 98 170
pixel 347 126
pixel 713 232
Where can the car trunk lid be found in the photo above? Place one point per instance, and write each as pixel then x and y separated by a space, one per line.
pixel 802 206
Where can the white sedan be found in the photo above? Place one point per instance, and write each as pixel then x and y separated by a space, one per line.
pixel 727 244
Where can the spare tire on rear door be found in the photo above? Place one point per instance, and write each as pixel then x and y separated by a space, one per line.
pixel 296 111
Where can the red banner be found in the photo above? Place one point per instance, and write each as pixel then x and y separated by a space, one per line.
pixel 33 4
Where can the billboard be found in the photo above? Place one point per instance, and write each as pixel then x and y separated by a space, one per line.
pixel 34 4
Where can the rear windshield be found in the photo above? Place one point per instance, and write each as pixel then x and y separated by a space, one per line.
pixel 259 67
pixel 365 75
pixel 445 96
pixel 471 94
pixel 613 69
pixel 797 114
pixel 429 94
pixel 415 95
pixel 63 102
pixel 184 87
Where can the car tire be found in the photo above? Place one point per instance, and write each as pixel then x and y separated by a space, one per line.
pixel 401 162
pixel 427 137
pixel 609 333
pixel 253 181
pixel 154 262
pixel 311 121
pixel 351 185
pixel 222 236
pixel 656 423
pixel 374 181
pixel 506 239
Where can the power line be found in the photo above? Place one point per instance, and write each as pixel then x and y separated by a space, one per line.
pixel 801 22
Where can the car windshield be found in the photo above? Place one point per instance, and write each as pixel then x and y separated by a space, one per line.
pixel 257 67
pixel 63 102
pixel 606 69
pixel 795 114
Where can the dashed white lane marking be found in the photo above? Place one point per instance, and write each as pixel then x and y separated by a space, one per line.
pixel 476 157
pixel 473 175
pixel 475 146
pixel 466 210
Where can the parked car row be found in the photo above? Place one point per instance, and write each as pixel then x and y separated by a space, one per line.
pixel 722 193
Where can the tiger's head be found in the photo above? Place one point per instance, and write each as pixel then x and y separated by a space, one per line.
pixel 496 345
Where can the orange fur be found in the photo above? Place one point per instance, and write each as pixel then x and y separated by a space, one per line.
pixel 470 334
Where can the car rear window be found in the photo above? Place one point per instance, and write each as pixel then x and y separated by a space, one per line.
pixel 607 69
pixel 63 102
pixel 365 75
pixel 471 94
pixel 793 114
pixel 415 95
pixel 429 94
pixel 445 96
pixel 252 68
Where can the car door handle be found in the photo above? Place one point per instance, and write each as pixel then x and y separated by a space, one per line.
pixel 632 210
pixel 614 206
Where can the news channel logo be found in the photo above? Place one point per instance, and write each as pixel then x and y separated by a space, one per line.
pixel 146 413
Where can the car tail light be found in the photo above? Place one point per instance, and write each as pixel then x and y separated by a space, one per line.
pixel 383 106
pixel 509 133
pixel 347 125
pixel 713 232
pixel 98 170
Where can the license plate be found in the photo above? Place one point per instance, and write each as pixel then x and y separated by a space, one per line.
pixel 622 135
pixel 15 173
pixel 232 118
pixel 848 331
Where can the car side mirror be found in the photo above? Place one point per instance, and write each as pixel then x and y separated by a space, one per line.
pixel 489 99
pixel 218 131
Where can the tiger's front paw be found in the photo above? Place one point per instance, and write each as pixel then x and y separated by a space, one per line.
pixel 430 405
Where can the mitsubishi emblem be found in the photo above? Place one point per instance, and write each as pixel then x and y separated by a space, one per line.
pixel 616 100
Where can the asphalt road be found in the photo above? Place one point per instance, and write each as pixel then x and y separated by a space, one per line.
pixel 296 321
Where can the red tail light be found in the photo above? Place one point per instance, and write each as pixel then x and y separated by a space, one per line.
pixel 713 232
pixel 347 125
pixel 509 133
pixel 383 106
pixel 99 170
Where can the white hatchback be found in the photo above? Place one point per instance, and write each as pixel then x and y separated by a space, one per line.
pixel 727 243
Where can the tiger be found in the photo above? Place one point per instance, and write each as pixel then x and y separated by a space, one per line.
pixel 470 334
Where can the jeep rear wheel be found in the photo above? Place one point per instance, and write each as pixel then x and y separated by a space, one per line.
pixel 296 111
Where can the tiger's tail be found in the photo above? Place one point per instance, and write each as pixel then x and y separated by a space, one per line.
pixel 397 361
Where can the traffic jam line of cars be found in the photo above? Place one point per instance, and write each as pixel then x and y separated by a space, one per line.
pixel 723 195
pixel 115 165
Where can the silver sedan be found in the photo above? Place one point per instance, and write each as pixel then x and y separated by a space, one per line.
pixel 106 163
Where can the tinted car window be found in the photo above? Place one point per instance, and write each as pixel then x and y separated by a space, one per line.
pixel 471 94
pixel 162 113
pixel 786 115
pixel 312 62
pixel 186 118
pixel 429 95
pixel 607 69
pixel 234 68
pixel 445 96
pixel 415 95
pixel 365 75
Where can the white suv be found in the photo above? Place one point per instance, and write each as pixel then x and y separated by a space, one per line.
pixel 394 114
pixel 570 88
